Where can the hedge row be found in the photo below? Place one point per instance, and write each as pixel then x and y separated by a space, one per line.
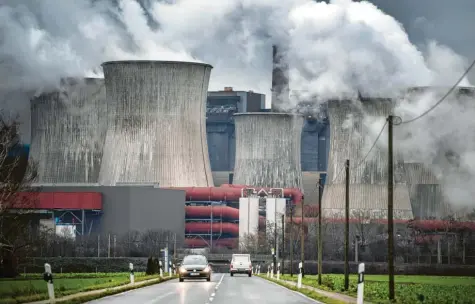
pixel 83 265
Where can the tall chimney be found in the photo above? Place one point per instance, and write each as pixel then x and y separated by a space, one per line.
pixel 280 79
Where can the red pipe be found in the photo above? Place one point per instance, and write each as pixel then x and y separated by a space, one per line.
pixel 228 228
pixel 441 225
pixel 199 242
pixel 230 193
pixel 218 211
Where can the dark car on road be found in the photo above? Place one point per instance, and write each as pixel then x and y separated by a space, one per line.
pixel 194 267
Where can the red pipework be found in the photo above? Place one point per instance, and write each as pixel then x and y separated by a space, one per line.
pixel 441 225
pixel 228 192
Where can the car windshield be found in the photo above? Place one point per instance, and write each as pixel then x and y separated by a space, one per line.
pixel 194 260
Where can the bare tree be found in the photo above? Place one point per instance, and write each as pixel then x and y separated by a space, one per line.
pixel 17 196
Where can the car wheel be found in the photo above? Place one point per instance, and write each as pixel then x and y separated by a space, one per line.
pixel 208 279
pixel 250 274
pixel 232 274
pixel 181 279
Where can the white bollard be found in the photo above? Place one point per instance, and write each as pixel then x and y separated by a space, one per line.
pixel 170 270
pixel 161 268
pixel 268 271
pixel 299 278
pixel 272 271
pixel 359 299
pixel 258 269
pixel 278 271
pixel 132 276
pixel 48 277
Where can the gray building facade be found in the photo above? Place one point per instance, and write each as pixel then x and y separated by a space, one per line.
pixel 133 208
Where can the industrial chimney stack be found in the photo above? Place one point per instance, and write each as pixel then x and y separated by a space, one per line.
pixel 280 79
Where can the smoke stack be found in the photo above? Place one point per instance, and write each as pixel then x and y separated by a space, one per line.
pixel 268 150
pixel 67 132
pixel 280 80
pixel 156 130
pixel 368 182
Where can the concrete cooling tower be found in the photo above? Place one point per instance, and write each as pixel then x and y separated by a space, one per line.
pixel 436 178
pixel 268 150
pixel 156 125
pixel 67 132
pixel 368 182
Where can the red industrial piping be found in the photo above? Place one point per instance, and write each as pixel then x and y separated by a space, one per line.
pixel 231 193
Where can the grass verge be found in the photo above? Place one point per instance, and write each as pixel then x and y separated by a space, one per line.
pixel 409 289
pixel 34 289
pixel 307 292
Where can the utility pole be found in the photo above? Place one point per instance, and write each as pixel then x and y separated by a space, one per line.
pixel 347 224
pixel 302 240
pixel 174 248
pixel 291 247
pixel 283 243
pixel 390 209
pixel 320 240
pixel 109 247
pixel 275 241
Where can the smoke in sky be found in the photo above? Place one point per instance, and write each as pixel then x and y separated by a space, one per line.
pixel 334 49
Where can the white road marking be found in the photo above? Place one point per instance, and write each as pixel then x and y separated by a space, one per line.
pixel 211 299
pixel 296 292
pixel 213 294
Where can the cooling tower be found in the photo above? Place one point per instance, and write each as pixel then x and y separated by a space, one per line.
pixel 67 132
pixel 268 150
pixel 438 144
pixel 280 79
pixel 156 124
pixel 368 181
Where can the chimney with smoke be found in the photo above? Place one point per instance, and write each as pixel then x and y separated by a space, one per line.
pixel 280 79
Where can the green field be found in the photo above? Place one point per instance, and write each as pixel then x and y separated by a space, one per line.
pixel 32 287
pixel 409 289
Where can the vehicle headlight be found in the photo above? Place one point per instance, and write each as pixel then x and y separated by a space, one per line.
pixel 207 269
pixel 182 269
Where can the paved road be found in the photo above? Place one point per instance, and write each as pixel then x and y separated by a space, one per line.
pixel 223 289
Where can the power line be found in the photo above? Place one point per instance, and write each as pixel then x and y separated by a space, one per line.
pixel 443 98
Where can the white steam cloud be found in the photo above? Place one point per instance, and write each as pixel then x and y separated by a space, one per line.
pixel 334 50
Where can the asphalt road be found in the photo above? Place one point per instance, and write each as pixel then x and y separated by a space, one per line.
pixel 223 289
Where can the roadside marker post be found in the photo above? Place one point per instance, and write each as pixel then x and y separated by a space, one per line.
pixel 299 279
pixel 48 277
pixel 132 275
pixel 359 299
pixel 268 271
pixel 272 271
pixel 258 269
pixel 174 269
pixel 161 268
pixel 278 271
pixel 170 270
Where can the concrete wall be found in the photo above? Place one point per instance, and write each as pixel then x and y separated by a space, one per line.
pixel 138 208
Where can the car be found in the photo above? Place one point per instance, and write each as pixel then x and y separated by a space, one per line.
pixel 241 263
pixel 194 267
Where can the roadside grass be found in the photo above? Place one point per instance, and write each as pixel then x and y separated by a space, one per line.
pixel 409 289
pixel 309 293
pixel 33 288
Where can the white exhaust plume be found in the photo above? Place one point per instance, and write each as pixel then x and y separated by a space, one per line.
pixel 334 49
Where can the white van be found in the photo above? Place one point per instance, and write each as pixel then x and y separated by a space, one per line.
pixel 241 263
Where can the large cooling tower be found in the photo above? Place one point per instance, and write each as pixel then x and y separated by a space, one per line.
pixel 440 143
pixel 268 150
pixel 156 130
pixel 368 182
pixel 67 132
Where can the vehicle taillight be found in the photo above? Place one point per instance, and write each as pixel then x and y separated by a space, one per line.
pixel 231 265
pixel 250 265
